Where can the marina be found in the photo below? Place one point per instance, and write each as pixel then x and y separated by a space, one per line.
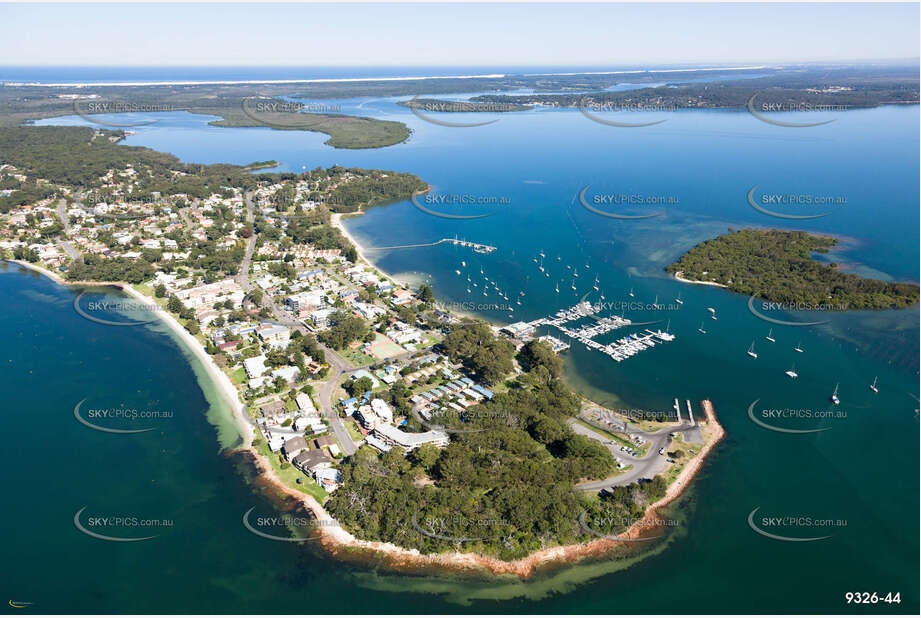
pixel 619 350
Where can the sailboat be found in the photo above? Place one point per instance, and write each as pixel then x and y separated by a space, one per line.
pixel 573 284
pixel 541 253
pixel 770 335
pixel 834 396
pixel 631 292
pixel 678 299
pixel 463 264
pixel 873 386
pixel 595 287
pixel 798 348
pixel 792 373
pixel 701 329
pixel 541 267
pixel 751 350
pixel 557 288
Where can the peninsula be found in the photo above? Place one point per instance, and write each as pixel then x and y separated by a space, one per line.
pixel 408 431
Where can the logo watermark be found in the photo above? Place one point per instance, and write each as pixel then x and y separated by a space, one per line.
pixel 118 521
pixel 272 112
pixel 786 307
pixel 131 414
pixel 793 199
pixel 608 522
pixel 109 306
pixel 794 522
pixel 447 106
pixel 440 527
pixel 287 521
pixel 626 200
pixel 120 107
pixel 792 413
pixel 585 105
pixel 458 200
pixel 789 107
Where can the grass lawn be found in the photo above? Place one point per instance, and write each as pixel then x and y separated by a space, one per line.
pixel 353 430
pixel 238 376
pixel 290 475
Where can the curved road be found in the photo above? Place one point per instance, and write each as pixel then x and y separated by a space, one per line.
pixel 643 467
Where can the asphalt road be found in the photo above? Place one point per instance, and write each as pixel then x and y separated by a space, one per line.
pixel 643 467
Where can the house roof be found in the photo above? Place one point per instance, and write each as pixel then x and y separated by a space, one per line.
pixel 295 444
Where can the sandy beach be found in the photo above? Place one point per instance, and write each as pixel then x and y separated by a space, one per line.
pixel 683 280
pixel 336 222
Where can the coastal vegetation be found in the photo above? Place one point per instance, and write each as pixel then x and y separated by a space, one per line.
pixel 505 486
pixel 344 131
pixel 777 266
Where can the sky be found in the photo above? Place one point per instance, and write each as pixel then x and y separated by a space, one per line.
pixel 469 35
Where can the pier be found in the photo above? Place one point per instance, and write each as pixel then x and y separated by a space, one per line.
pixel 619 350
pixel 477 247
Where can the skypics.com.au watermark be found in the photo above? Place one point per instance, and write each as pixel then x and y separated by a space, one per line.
pixel 457 528
pixel 795 205
pixel 459 205
pixel 788 307
pixel 101 311
pixel 594 111
pixel 451 306
pixel 90 111
pixel 118 528
pixel 280 114
pixel 101 419
pixel 760 111
pixel 794 528
pixel 604 203
pixel 773 419
pixel 278 527
pixel 614 527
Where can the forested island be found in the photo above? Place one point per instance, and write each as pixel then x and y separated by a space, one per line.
pixel 777 266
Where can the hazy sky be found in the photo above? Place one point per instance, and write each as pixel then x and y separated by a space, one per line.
pixel 452 34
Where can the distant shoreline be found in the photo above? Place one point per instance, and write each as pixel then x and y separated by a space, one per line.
pixel 337 80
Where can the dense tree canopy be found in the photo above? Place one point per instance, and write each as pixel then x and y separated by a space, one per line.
pixel 777 265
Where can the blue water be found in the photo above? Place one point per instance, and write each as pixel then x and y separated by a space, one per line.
pixel 862 470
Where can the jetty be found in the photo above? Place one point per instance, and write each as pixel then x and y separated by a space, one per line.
pixel 619 350
pixel 477 247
